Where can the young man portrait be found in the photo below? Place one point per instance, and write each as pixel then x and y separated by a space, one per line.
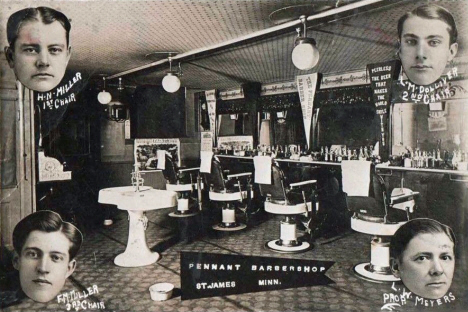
pixel 39 47
pixel 423 257
pixel 428 42
pixel 45 249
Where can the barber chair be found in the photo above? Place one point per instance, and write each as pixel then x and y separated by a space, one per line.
pixel 231 191
pixel 185 182
pixel 294 201
pixel 379 214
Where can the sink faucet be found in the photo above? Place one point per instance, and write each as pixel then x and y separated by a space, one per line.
pixel 137 180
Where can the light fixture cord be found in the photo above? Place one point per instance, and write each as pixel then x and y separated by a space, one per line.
pixel 170 63
pixel 303 19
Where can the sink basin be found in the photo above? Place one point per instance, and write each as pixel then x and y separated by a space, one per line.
pixel 146 199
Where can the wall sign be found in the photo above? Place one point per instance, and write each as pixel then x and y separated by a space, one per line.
pixel 206 141
pixel 145 149
pixel 210 275
pixel 211 102
pixel 235 142
pixel 381 77
pixel 306 85
pixel 50 169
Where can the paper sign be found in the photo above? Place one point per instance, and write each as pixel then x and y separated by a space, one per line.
pixel 206 141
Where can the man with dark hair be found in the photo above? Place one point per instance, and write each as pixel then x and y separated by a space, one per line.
pixel 428 41
pixel 39 47
pixel 422 254
pixel 45 250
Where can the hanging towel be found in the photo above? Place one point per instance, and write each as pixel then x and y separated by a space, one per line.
pixel 262 169
pixel 356 177
pixel 161 159
pixel 205 161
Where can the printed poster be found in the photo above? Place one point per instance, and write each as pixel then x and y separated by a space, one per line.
pixel 146 151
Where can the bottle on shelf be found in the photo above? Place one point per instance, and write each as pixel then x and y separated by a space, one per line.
pixel 361 154
pixel 339 156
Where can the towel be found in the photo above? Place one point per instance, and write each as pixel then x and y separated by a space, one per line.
pixel 161 159
pixel 262 169
pixel 205 161
pixel 356 177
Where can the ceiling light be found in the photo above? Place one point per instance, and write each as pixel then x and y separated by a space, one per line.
pixel 305 54
pixel 171 82
pixel 117 110
pixel 104 97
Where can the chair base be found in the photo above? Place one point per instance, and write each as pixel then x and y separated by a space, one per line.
pixel 365 271
pixel 183 214
pixel 229 227
pixel 184 209
pixel 275 245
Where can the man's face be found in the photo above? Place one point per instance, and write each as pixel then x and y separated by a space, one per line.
pixel 427 264
pixel 425 49
pixel 44 265
pixel 40 55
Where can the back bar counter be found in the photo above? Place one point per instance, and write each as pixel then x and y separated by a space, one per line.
pixel 443 193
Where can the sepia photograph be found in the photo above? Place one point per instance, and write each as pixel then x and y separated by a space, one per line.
pixel 234 155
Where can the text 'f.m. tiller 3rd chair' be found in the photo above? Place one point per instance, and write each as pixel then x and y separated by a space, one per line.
pixel 184 182
pixel 292 200
pixel 229 190
pixel 376 212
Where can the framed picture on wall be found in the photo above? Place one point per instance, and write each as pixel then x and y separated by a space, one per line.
pixel 146 152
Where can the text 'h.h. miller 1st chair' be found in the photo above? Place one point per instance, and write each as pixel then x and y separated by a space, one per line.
pixel 376 212
pixel 182 181
pixel 288 199
pixel 230 190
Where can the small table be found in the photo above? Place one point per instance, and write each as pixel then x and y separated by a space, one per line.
pixel 137 252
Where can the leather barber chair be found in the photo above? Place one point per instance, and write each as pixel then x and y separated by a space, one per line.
pixel 185 182
pixel 376 212
pixel 230 191
pixel 295 201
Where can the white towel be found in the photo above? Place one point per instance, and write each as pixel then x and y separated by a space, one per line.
pixel 356 177
pixel 161 159
pixel 262 169
pixel 205 161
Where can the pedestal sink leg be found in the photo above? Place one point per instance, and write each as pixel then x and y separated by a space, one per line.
pixel 137 252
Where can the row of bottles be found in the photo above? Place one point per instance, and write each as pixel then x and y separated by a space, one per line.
pixel 344 153
pixel 417 158
pixel 435 159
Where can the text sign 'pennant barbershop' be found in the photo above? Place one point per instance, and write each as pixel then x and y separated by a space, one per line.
pixel 209 275
pixel 306 85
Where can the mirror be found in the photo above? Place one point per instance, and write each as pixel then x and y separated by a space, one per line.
pixel 419 125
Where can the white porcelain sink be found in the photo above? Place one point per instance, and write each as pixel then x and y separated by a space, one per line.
pixel 146 199
pixel 112 195
pixel 137 252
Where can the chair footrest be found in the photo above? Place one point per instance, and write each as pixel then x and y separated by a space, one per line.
pixel 287 209
pixel 374 228
pixel 215 196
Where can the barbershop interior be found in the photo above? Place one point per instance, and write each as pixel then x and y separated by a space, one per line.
pixel 251 128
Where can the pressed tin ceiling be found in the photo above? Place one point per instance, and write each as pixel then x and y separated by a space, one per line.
pixel 110 37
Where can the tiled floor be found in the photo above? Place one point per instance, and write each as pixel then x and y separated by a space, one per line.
pixel 126 289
